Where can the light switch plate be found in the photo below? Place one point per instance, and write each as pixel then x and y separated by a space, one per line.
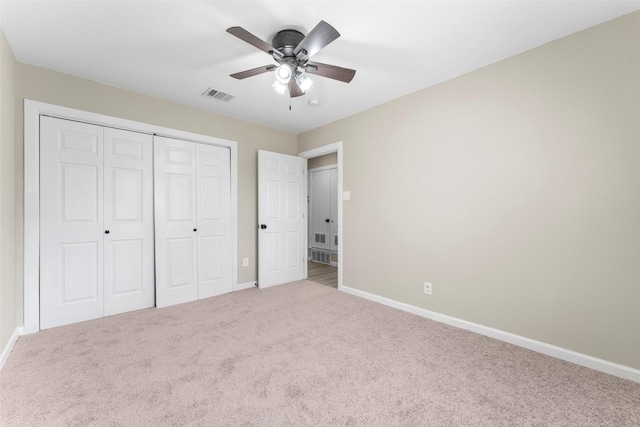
pixel 346 195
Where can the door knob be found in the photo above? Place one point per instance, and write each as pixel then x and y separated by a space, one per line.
pixel 195 229
pixel 263 226
pixel 326 220
pixel 106 231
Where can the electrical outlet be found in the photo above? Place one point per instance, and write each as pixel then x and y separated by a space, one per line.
pixel 427 288
pixel 245 262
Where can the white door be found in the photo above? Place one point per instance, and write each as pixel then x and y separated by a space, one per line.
pixel 96 222
pixel 213 182
pixel 71 222
pixel 320 197
pixel 281 217
pixel 128 216
pixel 175 221
pixel 323 218
pixel 193 221
pixel 334 210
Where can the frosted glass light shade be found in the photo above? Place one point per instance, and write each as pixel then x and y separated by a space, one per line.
pixel 279 87
pixel 304 82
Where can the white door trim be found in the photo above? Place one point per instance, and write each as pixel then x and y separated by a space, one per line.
pixel 336 147
pixel 323 168
pixel 32 112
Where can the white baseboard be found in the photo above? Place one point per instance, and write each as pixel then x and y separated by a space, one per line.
pixel 6 351
pixel 605 366
pixel 241 286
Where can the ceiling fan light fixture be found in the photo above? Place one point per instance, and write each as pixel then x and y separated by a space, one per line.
pixel 304 82
pixel 279 87
pixel 292 50
pixel 283 73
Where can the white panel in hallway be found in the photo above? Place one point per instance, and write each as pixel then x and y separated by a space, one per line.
pixel 323 206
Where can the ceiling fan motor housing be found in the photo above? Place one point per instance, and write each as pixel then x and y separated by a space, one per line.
pixel 286 41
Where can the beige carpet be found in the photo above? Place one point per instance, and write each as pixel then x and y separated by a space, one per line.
pixel 297 354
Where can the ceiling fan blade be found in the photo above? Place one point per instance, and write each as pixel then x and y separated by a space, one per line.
pixel 246 36
pixel 330 71
pixel 294 89
pixel 253 72
pixel 319 37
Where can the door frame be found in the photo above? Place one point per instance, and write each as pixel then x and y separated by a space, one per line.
pixel 336 147
pixel 32 112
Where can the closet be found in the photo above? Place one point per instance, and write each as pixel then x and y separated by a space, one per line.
pixel 323 217
pixel 129 220
pixel 192 221
pixel 96 221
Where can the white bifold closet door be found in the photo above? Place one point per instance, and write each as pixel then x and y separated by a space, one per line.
pixel 96 222
pixel 193 221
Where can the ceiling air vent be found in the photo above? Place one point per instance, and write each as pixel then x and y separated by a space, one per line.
pixel 216 94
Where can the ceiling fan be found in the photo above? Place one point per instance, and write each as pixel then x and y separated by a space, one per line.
pixel 292 50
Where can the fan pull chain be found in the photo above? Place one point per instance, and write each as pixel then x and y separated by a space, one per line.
pixel 289 103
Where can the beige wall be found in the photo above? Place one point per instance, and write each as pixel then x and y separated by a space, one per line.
pixel 514 189
pixel 44 85
pixel 8 303
pixel 330 159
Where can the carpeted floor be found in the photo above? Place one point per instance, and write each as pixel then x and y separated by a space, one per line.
pixel 296 354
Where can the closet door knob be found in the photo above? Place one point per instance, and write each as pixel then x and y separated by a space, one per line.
pixel 106 231
pixel 195 229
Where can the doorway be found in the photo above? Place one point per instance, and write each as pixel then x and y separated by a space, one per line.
pixel 326 272
pixel 322 221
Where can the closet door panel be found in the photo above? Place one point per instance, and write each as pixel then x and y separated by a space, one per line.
pixel 71 222
pixel 175 221
pixel 214 221
pixel 78 267
pixel 129 245
pixel 126 272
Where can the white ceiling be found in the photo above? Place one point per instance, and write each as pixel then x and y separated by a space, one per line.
pixel 175 50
